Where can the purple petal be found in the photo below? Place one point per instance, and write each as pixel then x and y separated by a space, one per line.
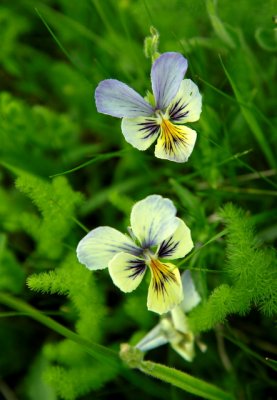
pixel 117 99
pixel 167 74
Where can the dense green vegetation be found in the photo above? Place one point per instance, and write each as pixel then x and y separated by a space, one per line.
pixel 66 169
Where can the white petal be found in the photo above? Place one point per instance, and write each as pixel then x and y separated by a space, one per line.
pixel 191 296
pixel 166 76
pixel 153 220
pixel 183 340
pixel 155 338
pixel 165 290
pixel 126 271
pixel 179 319
pixel 175 143
pixel 140 132
pixel 100 245
pixel 115 98
pixel 187 104
pixel 185 347
pixel 177 245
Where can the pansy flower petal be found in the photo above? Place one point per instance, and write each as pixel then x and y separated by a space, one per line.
pixel 187 104
pixel 175 142
pixel 100 245
pixel 179 319
pixel 166 76
pixel 153 220
pixel 117 99
pixel 140 132
pixel 127 271
pixel 165 290
pixel 185 346
pixel 177 245
pixel 155 338
pixel 191 296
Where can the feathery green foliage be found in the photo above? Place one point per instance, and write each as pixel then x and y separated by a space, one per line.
pixel 79 380
pixel 75 375
pixel 252 272
pixel 56 202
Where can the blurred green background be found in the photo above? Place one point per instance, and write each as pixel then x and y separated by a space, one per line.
pixel 53 55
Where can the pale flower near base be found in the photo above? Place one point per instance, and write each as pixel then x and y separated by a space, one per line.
pixel 173 327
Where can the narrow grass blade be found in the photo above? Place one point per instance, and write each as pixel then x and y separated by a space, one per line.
pixel 215 237
pixel 251 121
pixel 101 157
pixel 56 39
pixel 218 26
pixel 251 353
pixel 233 100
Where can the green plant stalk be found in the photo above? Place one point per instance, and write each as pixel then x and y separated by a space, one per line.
pixel 215 237
pixel 170 375
pixel 184 381
pixel 97 351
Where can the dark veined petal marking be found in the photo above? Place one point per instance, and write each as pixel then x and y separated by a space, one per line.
pixel 167 247
pixel 136 268
pixel 175 142
pixel 165 290
pixel 126 271
pixel 173 137
pixel 161 275
pixel 150 128
pixel 140 132
pixel 178 110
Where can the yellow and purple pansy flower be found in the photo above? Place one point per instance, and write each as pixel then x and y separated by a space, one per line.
pixel 157 236
pixel 176 101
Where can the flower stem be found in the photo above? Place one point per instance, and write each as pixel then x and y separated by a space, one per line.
pixel 99 352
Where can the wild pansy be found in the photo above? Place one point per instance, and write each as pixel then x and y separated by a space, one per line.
pixel 173 327
pixel 156 235
pixel 175 101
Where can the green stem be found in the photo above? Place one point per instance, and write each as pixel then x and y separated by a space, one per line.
pixel 97 351
pixel 174 377
pixel 215 237
pixel 184 381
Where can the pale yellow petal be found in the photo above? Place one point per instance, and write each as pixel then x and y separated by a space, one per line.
pixel 140 132
pixel 165 290
pixel 127 271
pixel 175 142
pixel 177 245
pixel 187 104
pixel 153 220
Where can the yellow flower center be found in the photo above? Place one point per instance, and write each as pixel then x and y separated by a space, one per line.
pixel 172 136
pixel 161 274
